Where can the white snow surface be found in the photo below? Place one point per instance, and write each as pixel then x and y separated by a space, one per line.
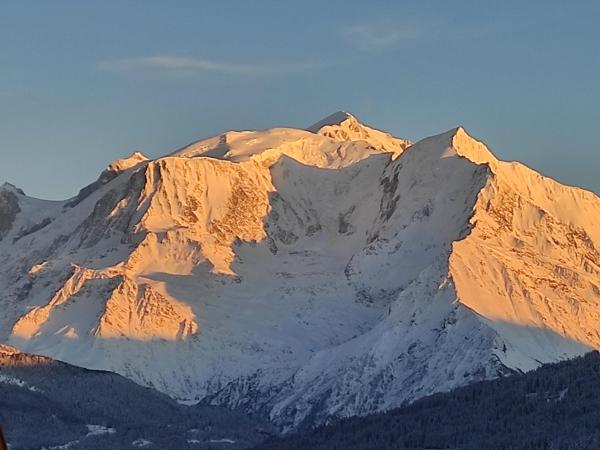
pixel 98 430
pixel 304 274
pixel 222 441
pixel 6 379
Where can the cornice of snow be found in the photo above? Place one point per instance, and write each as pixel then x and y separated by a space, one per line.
pixel 132 160
pixel 333 119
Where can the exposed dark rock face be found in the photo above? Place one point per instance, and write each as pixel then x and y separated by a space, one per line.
pixel 9 208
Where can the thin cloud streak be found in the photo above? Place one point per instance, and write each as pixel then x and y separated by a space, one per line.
pixel 196 66
pixel 377 36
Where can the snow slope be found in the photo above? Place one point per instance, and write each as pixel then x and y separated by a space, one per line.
pixel 304 274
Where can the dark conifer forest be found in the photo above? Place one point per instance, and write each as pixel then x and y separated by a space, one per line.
pixel 554 407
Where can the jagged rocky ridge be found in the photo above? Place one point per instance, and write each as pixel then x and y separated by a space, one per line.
pixel 306 274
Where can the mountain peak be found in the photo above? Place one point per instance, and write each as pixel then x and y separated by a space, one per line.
pixel 343 126
pixel 6 186
pixel 471 148
pixel 119 165
pixel 337 118
pixel 458 141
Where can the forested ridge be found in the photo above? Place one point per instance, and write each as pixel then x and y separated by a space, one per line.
pixel 554 407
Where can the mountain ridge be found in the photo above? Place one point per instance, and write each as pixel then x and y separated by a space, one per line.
pixel 71 407
pixel 304 275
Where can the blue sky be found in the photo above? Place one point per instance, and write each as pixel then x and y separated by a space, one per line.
pixel 83 83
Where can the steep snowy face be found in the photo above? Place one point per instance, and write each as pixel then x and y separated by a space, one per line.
pixel 531 266
pixel 305 274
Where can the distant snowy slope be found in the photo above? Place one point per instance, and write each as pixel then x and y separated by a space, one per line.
pixel 306 274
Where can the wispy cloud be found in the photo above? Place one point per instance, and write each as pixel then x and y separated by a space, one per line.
pixel 377 36
pixel 184 65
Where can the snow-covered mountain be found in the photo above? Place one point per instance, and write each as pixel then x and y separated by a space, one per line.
pixel 303 274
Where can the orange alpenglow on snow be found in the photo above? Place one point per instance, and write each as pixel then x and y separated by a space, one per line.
pixel 317 268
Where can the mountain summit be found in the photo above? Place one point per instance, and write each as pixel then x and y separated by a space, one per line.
pixel 343 126
pixel 305 274
pixel 337 118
